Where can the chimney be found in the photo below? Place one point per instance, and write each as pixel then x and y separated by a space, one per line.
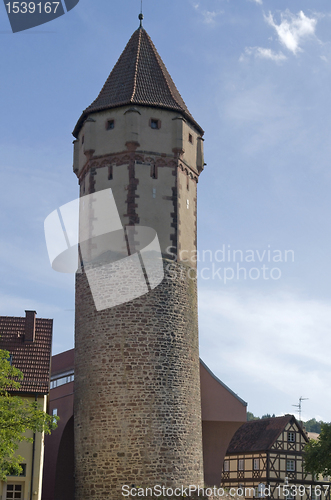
pixel 30 326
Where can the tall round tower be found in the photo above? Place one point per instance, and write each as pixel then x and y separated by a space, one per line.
pixel 137 388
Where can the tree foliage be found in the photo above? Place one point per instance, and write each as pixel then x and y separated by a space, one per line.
pixel 313 426
pixel 17 416
pixel 317 453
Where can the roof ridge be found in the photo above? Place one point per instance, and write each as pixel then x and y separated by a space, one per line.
pixel 136 65
pixel 162 67
pixel 222 383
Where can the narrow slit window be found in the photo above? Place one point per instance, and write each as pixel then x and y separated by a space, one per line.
pixel 153 172
pixel 110 172
pixel 190 138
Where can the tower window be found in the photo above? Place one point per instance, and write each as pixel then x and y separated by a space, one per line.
pixel 153 172
pixel 154 123
pixel 190 138
pixel 110 124
pixel 110 172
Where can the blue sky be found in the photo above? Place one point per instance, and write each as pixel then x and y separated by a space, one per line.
pixel 255 74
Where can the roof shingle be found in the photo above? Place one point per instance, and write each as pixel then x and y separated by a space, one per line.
pixel 141 78
pixel 31 358
pixel 259 435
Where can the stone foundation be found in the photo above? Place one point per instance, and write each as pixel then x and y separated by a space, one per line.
pixel 137 390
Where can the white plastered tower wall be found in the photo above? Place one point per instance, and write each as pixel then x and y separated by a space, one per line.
pixel 157 151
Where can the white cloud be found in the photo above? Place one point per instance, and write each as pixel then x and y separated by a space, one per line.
pixel 208 17
pixel 257 1
pixel 262 53
pixel 280 342
pixel 293 29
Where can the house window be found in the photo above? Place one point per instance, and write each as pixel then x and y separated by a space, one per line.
pixel 291 437
pixel 256 464
pixel 259 491
pixel 62 380
pixel 190 138
pixel 315 493
pixel 241 464
pixel 290 465
pixel 226 465
pixel 154 123
pixel 23 473
pixel 14 492
pixel 110 124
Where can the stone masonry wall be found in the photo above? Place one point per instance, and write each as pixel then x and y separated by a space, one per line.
pixel 137 390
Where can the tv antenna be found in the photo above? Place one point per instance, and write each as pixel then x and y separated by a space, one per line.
pixel 299 406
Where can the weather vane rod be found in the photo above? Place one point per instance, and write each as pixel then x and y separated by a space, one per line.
pixel 141 15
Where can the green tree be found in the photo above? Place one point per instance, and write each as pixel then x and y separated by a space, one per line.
pixel 251 416
pixel 317 453
pixel 17 415
pixel 313 426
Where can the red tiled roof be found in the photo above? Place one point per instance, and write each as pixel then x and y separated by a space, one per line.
pixel 259 435
pixel 32 358
pixel 141 78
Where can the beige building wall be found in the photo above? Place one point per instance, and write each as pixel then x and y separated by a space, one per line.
pixel 33 467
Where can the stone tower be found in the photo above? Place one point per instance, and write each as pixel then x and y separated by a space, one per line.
pixel 137 389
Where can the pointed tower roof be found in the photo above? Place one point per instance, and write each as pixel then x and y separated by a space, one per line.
pixel 141 78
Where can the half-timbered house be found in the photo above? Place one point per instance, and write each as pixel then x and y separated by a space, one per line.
pixel 265 459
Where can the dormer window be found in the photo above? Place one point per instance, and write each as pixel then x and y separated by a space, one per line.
pixel 110 124
pixel 154 123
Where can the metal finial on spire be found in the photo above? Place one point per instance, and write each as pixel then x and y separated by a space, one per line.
pixel 141 16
